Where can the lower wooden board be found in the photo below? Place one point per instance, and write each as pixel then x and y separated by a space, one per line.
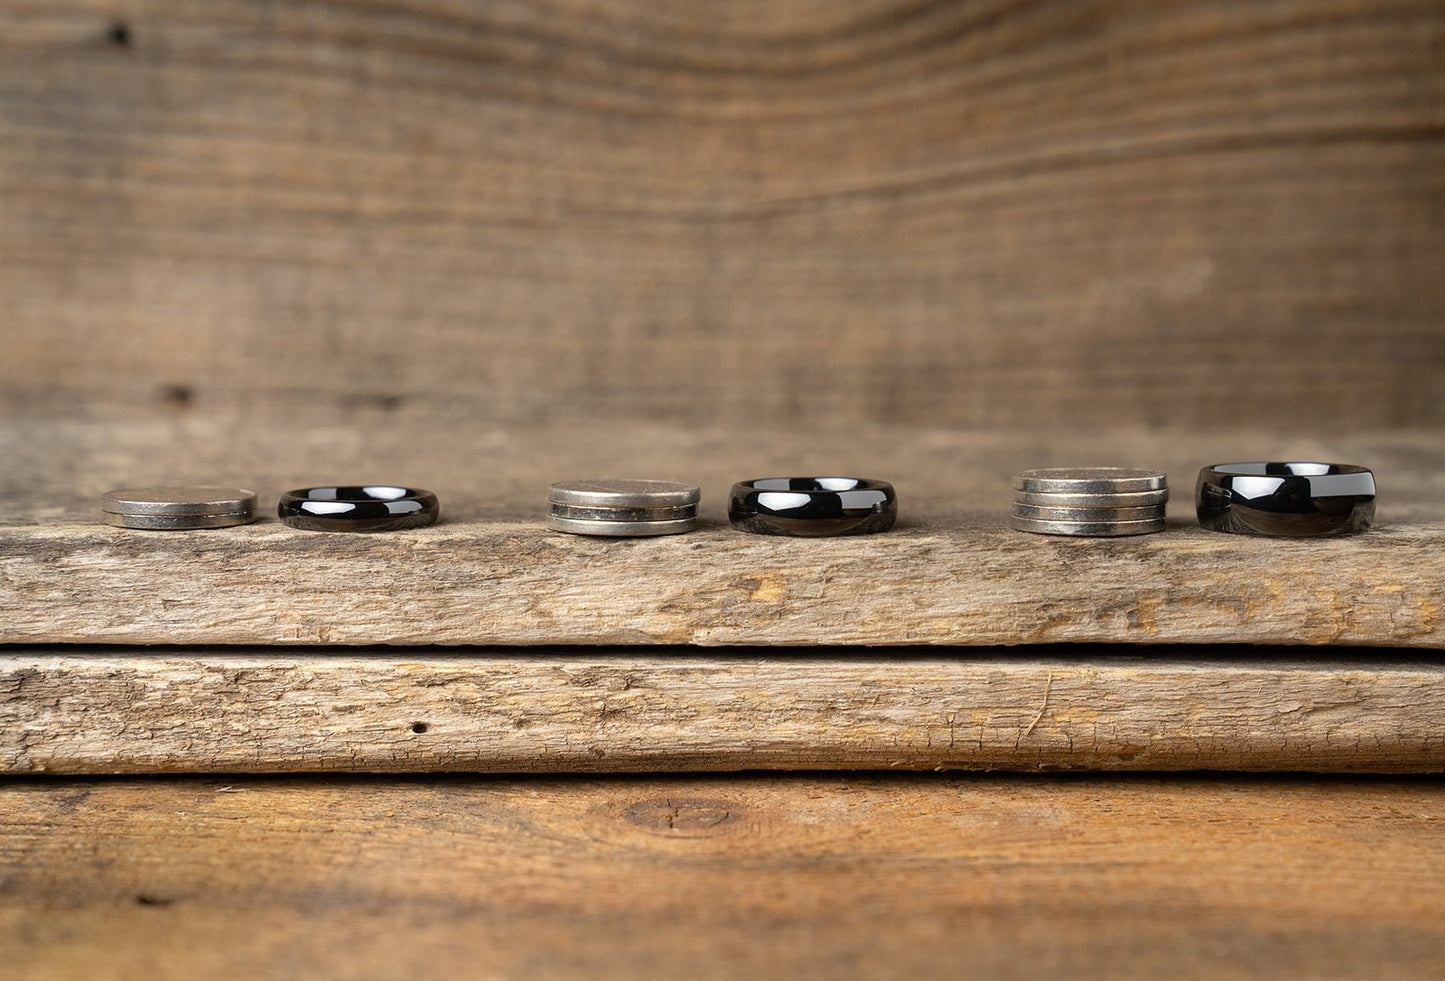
pixel 112 711
pixel 807 876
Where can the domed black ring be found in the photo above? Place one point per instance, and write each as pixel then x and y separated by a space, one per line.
pixel 1296 500
pixel 813 506
pixel 375 507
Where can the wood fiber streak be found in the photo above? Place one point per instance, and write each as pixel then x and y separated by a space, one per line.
pixel 956 214
pixel 286 710
pixel 801 876
pixel 950 573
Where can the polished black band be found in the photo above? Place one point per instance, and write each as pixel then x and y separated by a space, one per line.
pixel 813 506
pixel 376 507
pixel 1297 500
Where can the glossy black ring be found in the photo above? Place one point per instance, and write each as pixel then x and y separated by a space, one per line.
pixel 375 507
pixel 813 506
pixel 1294 500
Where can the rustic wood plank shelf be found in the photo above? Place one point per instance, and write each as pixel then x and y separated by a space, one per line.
pixel 952 573
pixel 949 580
pixel 119 711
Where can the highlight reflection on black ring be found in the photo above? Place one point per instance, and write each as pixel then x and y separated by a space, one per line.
pixel 813 506
pixel 373 507
pixel 1297 500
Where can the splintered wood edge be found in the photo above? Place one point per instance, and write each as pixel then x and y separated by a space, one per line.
pixel 290 711
pixel 942 582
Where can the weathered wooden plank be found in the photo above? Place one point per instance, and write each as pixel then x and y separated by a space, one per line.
pixel 513 583
pixel 812 877
pixel 924 213
pixel 288 710
pixel 950 573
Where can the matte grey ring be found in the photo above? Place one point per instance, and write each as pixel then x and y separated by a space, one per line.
pixel 1293 500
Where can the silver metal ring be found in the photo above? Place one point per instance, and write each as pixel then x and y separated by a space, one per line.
pixel 622 507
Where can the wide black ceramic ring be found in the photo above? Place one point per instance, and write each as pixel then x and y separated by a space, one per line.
pixel 375 507
pixel 813 506
pixel 1295 500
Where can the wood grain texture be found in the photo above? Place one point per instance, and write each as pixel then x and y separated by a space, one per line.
pixel 951 573
pixel 811 877
pixel 954 214
pixel 116 711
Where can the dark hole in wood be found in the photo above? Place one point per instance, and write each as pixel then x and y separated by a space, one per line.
pixel 119 34
pixel 145 900
pixel 419 727
pixel 373 400
pixel 178 396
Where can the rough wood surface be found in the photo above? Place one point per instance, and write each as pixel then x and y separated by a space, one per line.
pixel 286 710
pixel 811 877
pixel 950 573
pixel 855 210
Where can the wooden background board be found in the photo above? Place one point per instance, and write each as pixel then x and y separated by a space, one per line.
pixel 952 214
pixel 950 573
pixel 807 876
pixel 86 711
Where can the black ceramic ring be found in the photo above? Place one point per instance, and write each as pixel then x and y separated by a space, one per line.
pixel 375 507
pixel 1296 500
pixel 813 506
